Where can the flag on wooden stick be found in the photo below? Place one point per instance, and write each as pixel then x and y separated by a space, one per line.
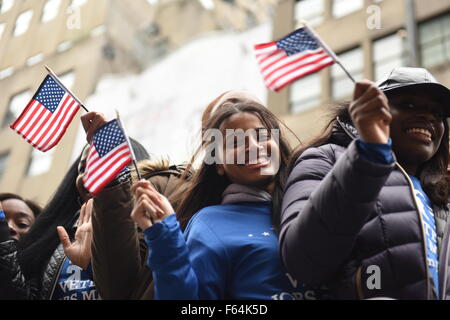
pixel 47 116
pixel 109 154
pixel 298 54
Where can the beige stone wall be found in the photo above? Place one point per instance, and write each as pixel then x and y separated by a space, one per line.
pixel 125 23
pixel 81 59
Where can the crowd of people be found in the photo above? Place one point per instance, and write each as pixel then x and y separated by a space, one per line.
pixel 360 212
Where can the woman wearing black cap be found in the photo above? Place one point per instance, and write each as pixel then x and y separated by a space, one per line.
pixel 365 208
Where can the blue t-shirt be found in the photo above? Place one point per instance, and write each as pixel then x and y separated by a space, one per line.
pixel 2 215
pixel 74 283
pixel 228 252
pixel 429 225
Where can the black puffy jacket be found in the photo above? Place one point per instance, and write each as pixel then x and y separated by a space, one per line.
pixel 342 214
pixel 13 283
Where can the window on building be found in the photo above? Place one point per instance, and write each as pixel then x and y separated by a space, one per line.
pixel 64 46
pixel 435 41
pixel 22 23
pixel 5 73
pixel 40 162
pixel 344 7
pixel 3 161
pixel 305 93
pixel 2 28
pixel 51 10
pixel 6 5
pixel 34 60
pixel 16 105
pixel 353 61
pixel 388 53
pixel 98 31
pixel 207 4
pixel 310 10
pixel 68 79
pixel 77 3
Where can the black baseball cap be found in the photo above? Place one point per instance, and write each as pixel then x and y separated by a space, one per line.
pixel 415 78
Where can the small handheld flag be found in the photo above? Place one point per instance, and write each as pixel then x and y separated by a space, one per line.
pixel 133 157
pixel 108 154
pixel 47 116
pixel 290 58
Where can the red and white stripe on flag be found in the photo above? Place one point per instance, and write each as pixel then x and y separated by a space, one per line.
pixel 100 171
pixel 46 118
pixel 290 58
pixel 279 69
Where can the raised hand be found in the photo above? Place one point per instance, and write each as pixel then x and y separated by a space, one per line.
pixel 91 122
pixel 149 205
pixel 79 251
pixel 370 113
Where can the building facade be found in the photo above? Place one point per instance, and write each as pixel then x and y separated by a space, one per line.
pixel 370 37
pixel 82 40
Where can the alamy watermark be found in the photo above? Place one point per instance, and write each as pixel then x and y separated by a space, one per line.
pixel 256 148
pixel 74 19
pixel 374 19
pixel 373 282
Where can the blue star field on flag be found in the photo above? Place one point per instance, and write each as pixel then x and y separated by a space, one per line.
pixel 108 137
pixel 298 41
pixel 50 94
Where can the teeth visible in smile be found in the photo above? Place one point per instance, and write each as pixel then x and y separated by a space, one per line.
pixel 425 132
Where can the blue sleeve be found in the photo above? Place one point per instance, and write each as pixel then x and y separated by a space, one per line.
pixel 184 269
pixel 4 228
pixel 376 152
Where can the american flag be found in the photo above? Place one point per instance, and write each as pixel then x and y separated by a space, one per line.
pixel 286 60
pixel 46 118
pixel 109 153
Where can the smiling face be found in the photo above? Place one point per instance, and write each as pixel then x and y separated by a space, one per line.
pixel 19 217
pixel 417 127
pixel 255 170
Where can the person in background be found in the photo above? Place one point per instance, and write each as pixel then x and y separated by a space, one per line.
pixel 366 204
pixel 20 214
pixel 52 261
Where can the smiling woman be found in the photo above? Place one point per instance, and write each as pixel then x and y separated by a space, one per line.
pixel 371 194
pixel 229 212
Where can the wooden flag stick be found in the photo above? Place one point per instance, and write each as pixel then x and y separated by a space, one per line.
pixel 55 77
pixel 313 34
pixel 133 157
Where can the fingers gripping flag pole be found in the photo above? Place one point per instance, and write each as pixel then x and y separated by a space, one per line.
pixel 133 157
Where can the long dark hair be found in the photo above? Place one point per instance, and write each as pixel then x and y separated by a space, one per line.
pixel 35 208
pixel 432 173
pixel 206 186
pixel 39 244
